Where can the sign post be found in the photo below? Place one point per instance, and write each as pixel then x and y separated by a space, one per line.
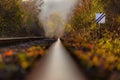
pixel 100 19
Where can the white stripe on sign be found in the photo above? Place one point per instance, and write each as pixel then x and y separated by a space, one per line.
pixel 100 18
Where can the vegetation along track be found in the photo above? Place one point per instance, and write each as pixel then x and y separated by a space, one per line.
pixel 18 55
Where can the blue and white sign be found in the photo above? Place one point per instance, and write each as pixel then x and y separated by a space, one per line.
pixel 100 18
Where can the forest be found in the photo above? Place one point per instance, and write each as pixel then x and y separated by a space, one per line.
pixel 97 48
pixel 19 18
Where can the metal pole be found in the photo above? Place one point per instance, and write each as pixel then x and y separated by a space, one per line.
pixel 99 30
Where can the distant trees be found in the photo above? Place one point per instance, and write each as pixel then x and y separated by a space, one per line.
pixel 83 20
pixel 30 23
pixel 84 15
pixel 10 17
pixel 18 18
pixel 113 14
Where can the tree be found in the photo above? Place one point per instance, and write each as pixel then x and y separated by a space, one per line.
pixel 10 17
pixel 84 16
pixel 112 9
pixel 30 22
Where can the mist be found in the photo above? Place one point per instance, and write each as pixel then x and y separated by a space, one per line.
pixel 54 15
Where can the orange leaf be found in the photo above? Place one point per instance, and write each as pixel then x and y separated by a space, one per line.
pixel 96 60
pixel 79 52
pixel 90 46
pixel 9 53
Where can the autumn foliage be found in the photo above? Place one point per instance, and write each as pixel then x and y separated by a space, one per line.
pixel 97 49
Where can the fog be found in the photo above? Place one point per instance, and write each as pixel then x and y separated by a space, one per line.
pixel 54 15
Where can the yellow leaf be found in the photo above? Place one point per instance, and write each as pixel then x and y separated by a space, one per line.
pixel 24 64
pixel 95 60
pixel 118 66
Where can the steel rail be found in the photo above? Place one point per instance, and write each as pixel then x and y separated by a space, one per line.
pixel 18 40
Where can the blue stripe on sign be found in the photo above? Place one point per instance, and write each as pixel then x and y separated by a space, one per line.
pixel 100 18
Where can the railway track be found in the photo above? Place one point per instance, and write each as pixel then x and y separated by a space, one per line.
pixel 16 47
pixel 19 43
pixel 19 40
